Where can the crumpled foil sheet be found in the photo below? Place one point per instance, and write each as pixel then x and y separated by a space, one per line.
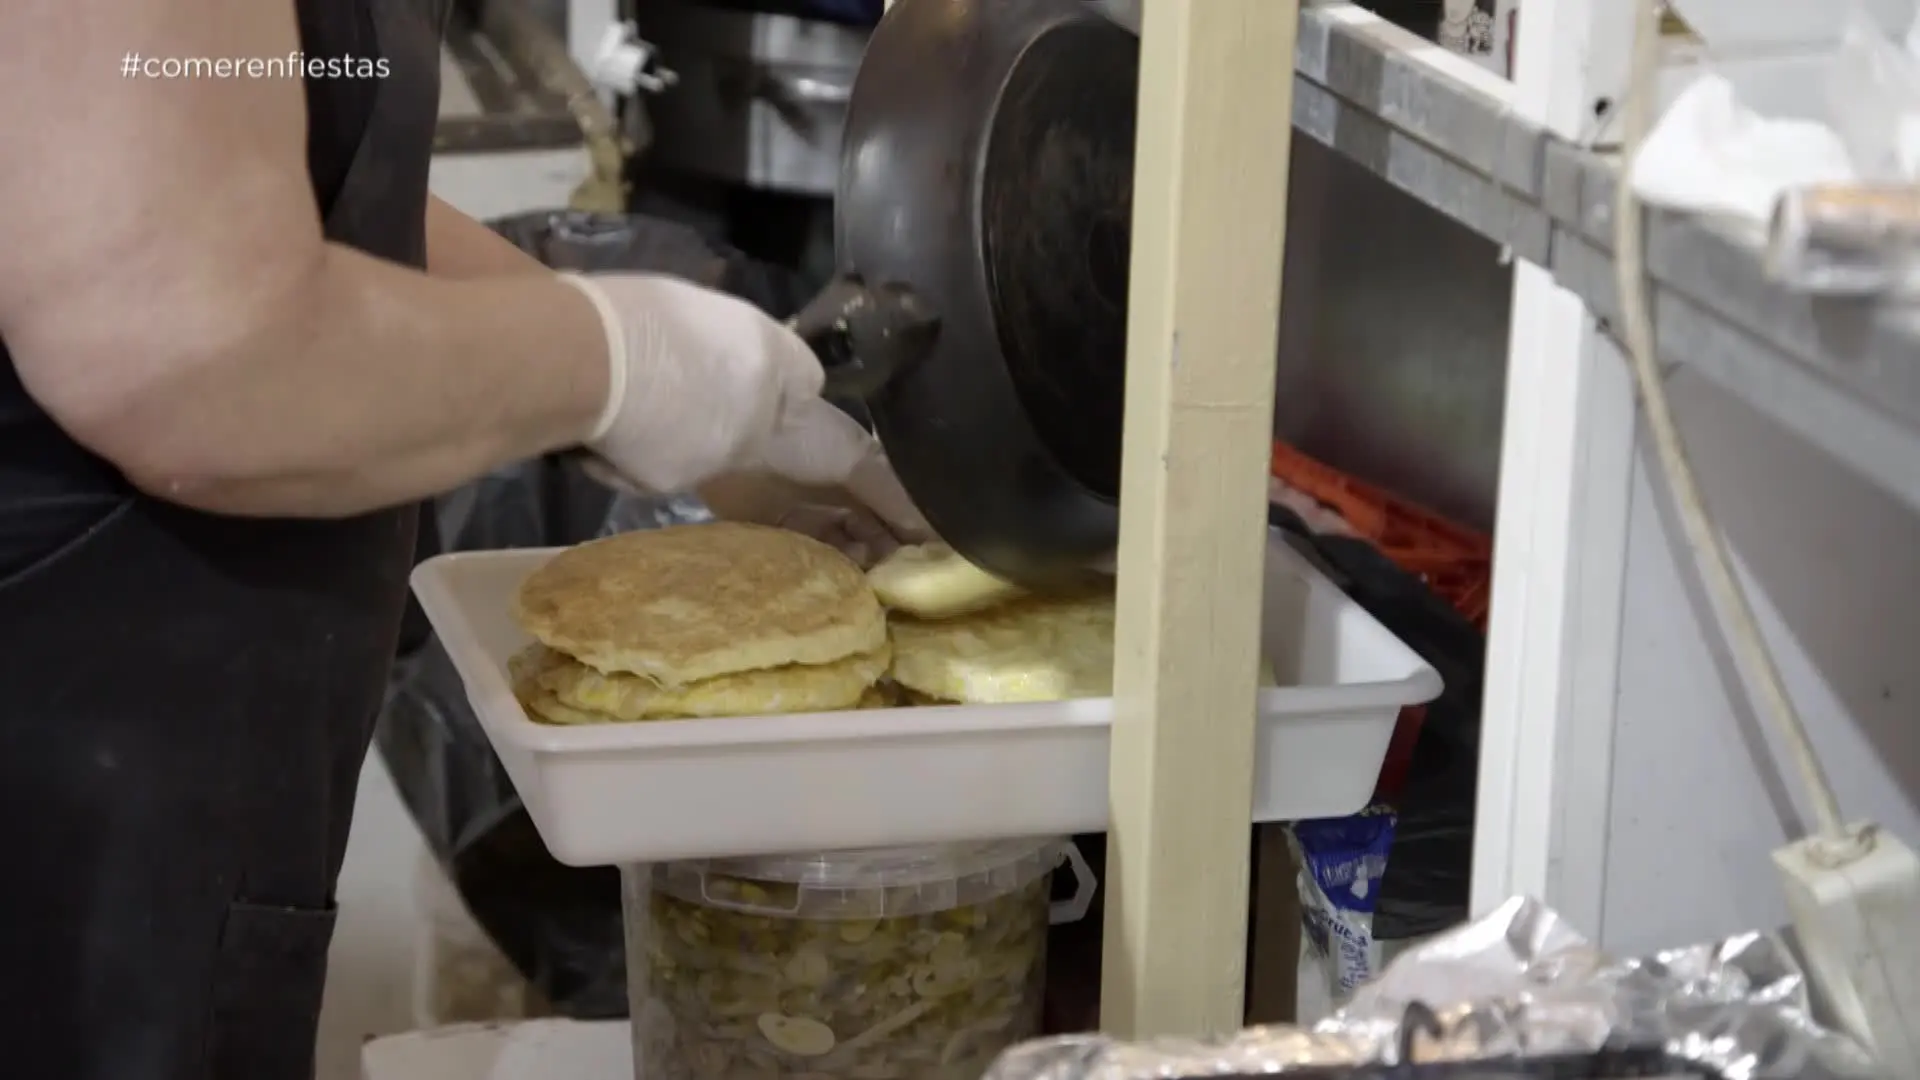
pixel 1515 987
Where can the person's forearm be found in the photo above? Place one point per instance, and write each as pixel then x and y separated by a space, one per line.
pixel 380 386
pixel 175 307
pixel 460 247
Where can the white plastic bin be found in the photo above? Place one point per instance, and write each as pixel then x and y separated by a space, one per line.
pixel 641 793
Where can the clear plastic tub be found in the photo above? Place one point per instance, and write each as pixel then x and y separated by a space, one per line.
pixel 915 963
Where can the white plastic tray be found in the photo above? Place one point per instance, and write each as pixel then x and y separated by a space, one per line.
pixel 626 793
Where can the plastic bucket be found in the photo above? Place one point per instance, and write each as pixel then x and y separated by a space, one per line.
pixel 915 963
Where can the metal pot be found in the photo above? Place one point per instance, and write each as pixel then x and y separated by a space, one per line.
pixel 982 228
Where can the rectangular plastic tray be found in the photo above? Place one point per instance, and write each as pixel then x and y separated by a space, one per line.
pixel 647 792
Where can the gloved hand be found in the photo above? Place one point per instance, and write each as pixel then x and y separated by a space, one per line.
pixel 702 384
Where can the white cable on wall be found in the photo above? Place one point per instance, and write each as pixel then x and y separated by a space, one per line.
pixel 1755 660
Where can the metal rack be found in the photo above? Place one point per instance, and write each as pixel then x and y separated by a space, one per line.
pixel 1504 159
pixel 1840 374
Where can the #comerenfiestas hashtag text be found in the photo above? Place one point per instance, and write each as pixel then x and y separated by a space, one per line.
pixel 294 65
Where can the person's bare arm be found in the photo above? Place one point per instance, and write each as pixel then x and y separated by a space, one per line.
pixel 460 247
pixel 169 299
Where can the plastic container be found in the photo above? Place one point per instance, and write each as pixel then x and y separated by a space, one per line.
pixel 888 964
pixel 642 793
pixel 1455 562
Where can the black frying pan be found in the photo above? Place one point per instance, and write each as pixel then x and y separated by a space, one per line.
pixel 982 233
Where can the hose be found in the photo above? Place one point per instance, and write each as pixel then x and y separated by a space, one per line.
pixel 1760 671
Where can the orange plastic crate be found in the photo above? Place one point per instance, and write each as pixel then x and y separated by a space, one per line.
pixel 1454 561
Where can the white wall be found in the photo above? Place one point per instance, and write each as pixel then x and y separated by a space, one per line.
pixel 1698 800
pixel 495 185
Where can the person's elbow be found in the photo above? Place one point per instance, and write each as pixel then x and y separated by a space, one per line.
pixel 175 399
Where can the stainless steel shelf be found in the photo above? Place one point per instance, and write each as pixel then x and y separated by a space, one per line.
pixel 1844 375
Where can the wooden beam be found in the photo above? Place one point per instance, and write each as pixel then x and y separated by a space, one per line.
pixel 1209 221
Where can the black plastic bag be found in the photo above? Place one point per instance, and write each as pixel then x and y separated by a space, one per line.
pixel 559 926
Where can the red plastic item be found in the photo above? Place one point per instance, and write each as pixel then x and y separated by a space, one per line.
pixel 1454 561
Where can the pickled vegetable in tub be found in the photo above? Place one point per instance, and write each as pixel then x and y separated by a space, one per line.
pixel 754 979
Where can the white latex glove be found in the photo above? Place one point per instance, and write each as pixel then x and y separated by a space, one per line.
pixel 703 384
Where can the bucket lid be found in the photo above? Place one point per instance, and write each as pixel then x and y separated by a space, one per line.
pixel 866 883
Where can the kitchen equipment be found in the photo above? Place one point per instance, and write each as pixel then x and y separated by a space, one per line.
pixel 982 235
pixel 986 176
pixel 615 794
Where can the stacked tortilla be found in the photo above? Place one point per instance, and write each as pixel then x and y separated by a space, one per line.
pixel 711 620
pixel 962 636
pixel 730 619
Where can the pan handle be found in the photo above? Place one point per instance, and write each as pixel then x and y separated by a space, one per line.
pixel 865 336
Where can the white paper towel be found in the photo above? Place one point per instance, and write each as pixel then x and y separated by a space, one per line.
pixel 1711 154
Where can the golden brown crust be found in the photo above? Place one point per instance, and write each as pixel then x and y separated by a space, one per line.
pixel 795 688
pixel 692 602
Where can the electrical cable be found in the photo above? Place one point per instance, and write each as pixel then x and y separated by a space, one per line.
pixel 1708 547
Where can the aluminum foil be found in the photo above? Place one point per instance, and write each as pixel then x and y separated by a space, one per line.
pixel 1514 988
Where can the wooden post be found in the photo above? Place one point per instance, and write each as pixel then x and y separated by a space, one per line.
pixel 1209 218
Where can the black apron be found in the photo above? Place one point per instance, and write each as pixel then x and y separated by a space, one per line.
pixel 185 705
